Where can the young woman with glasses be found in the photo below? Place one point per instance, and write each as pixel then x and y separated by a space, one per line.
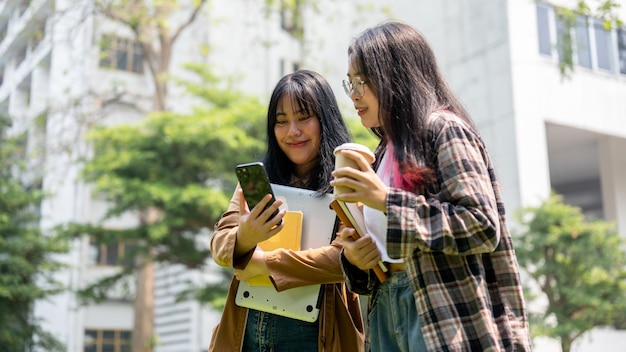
pixel 432 206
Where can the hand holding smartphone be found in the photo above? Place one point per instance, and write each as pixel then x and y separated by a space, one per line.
pixel 255 184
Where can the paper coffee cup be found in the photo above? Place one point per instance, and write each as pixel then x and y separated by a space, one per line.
pixel 342 161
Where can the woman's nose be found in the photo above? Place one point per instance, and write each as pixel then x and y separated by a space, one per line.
pixel 294 129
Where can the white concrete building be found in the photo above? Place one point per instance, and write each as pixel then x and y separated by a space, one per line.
pixel 543 131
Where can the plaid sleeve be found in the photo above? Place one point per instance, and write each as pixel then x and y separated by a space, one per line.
pixel 462 217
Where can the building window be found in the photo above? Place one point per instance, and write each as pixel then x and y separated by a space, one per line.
pixel 22 6
pixel 121 54
pixel 291 17
pixel 543 30
pixel 583 48
pixel 590 43
pixel 287 67
pixel 109 254
pixel 621 49
pixel 24 91
pixel 38 34
pixel 107 341
pixel 4 27
pixel 604 50
pixel 20 55
pixel 563 39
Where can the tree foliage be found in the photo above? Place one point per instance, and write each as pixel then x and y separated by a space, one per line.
pixel 360 134
pixel 578 265
pixel 177 167
pixel 27 263
pixel 156 29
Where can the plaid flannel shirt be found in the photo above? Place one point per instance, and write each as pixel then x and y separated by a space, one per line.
pixel 457 249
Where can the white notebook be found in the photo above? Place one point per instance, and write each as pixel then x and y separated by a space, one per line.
pixel 318 223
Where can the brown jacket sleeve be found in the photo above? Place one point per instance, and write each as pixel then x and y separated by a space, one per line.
pixel 288 269
pixel 225 237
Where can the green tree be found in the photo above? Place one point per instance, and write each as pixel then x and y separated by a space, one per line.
pixel 157 26
pixel 361 134
pixel 27 264
pixel 177 172
pixel 179 166
pixel 578 265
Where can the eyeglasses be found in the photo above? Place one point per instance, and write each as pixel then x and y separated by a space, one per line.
pixel 356 87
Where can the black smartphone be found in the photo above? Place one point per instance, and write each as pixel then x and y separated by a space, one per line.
pixel 255 184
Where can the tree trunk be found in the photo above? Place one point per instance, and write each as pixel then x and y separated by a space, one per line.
pixel 160 95
pixel 144 309
pixel 143 330
pixel 162 69
pixel 566 344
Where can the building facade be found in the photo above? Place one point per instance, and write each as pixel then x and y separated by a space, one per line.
pixel 544 131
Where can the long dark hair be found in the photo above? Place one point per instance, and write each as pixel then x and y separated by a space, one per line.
pixel 313 94
pixel 401 70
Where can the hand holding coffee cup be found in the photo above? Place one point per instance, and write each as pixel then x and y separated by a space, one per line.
pixel 342 161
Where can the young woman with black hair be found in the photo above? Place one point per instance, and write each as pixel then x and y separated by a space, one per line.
pixel 304 126
pixel 432 206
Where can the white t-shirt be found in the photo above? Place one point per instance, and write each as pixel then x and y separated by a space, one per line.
pixel 376 220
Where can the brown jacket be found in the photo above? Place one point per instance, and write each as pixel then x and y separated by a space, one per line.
pixel 340 321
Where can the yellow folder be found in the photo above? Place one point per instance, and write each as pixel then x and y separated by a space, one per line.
pixel 289 238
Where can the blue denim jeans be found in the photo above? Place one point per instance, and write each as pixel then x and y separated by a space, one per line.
pixel 393 320
pixel 267 332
